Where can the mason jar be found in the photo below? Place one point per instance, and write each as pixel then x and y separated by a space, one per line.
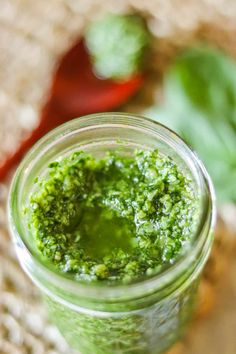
pixel 148 315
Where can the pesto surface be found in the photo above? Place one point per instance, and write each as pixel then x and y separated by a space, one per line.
pixel 115 218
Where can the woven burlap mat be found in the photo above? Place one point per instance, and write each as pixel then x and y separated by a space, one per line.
pixel 33 36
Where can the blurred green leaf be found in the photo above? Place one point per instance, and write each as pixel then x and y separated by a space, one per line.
pixel 200 104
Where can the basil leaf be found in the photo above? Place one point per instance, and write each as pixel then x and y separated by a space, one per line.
pixel 200 104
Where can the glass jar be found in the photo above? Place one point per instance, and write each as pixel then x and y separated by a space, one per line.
pixel 145 317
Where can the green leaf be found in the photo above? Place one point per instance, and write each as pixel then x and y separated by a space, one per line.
pixel 200 104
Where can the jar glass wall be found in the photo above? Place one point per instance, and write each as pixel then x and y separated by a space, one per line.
pixel 144 317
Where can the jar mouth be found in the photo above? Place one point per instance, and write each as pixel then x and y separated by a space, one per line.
pixel 46 148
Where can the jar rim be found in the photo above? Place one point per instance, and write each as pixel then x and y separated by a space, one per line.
pixel 140 286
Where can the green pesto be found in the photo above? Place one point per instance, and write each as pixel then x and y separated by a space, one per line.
pixel 115 218
pixel 118 45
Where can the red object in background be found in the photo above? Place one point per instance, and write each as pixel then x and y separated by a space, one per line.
pixel 75 91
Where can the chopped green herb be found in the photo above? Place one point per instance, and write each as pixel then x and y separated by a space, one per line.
pixel 116 218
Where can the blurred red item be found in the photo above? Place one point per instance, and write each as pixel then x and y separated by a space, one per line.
pixel 75 91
